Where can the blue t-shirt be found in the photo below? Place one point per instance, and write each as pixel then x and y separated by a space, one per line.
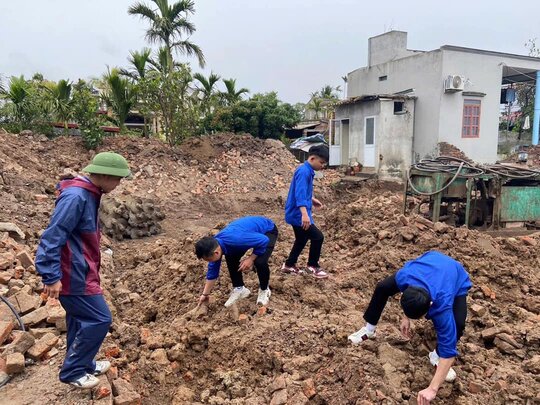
pixel 300 195
pixel 240 236
pixel 445 279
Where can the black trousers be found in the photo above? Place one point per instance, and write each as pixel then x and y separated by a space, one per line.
pixel 261 263
pixel 388 287
pixel 301 238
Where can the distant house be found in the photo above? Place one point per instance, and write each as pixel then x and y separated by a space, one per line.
pixel 420 98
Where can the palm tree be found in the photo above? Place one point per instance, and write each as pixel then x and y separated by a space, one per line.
pixel 169 25
pixel 139 64
pixel 207 89
pixel 18 93
pixel 62 103
pixel 316 106
pixel 232 96
pixel 328 92
pixel 119 95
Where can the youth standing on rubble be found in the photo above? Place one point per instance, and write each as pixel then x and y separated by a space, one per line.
pixel 298 207
pixel 257 233
pixel 68 260
pixel 434 285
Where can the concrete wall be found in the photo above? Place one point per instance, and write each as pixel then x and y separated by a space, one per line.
pixel 388 47
pixel 395 141
pixel 421 72
pixel 356 113
pixel 393 135
pixel 483 74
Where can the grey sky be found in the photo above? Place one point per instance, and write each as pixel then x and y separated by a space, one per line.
pixel 291 46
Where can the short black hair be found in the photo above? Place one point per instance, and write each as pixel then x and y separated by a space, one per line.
pixel 320 151
pixel 205 247
pixel 415 302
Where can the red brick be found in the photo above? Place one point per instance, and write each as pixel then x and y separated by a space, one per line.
pixel 102 391
pixel 131 398
pixel 24 301
pixel 475 388
pixel 500 385
pixel 25 259
pixel 42 346
pixel 2 365
pixel 21 343
pixel 243 318
pixel 308 386
pixel 5 276
pixel 55 313
pixel 112 374
pixel 5 330
pixel 188 376
pixel 113 351
pixel 7 260
pixel 15 363
pixel 35 317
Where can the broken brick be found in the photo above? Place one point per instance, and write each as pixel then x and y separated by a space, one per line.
pixel 21 343
pixel 308 386
pixel 25 259
pixel 14 363
pixel 475 387
pixel 112 351
pixel 55 313
pixel 243 318
pixel 102 390
pixel 5 276
pixel 42 346
pixel 24 301
pixel 35 317
pixel 5 330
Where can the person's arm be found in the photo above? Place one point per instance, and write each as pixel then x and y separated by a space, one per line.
pixel 445 327
pixel 208 287
pixel 259 243
pixel 65 218
pixel 427 395
pixel 317 203
pixel 303 196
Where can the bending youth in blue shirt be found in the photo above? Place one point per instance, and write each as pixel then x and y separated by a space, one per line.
pixel 435 286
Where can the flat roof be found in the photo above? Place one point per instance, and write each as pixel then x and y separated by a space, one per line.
pixel 366 98
pixel 485 52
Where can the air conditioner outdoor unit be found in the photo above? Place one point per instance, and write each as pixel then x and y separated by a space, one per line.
pixel 454 83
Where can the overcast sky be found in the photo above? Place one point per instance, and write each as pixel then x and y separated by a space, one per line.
pixel 291 46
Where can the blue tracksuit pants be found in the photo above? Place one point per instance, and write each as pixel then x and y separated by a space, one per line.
pixel 88 319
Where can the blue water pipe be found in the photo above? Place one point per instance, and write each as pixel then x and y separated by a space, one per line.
pixel 536 119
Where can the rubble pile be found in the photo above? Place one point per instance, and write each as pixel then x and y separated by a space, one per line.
pixel 165 351
pixel 132 217
pixel 447 149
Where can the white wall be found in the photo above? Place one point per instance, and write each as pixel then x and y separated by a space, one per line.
pixel 393 134
pixel 421 72
pixel 395 139
pixel 483 74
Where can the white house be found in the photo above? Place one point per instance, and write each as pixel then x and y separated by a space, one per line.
pixel 456 92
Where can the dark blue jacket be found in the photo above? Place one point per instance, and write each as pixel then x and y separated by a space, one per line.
pixel 300 195
pixel 445 279
pixel 69 247
pixel 240 236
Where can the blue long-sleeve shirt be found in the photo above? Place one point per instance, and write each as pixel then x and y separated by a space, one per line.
pixel 445 279
pixel 240 236
pixel 300 195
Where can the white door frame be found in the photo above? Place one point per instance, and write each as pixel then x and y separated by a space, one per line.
pixel 333 146
pixel 369 151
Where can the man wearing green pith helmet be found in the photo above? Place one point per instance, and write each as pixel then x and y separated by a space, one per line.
pixel 68 260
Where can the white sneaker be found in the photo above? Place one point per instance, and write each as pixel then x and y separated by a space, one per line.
pixel 85 382
pixel 264 296
pixel 237 293
pixel 363 334
pixel 434 360
pixel 102 367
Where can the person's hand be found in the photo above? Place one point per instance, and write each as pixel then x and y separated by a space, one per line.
pixel 203 300
pixel 306 222
pixel 317 203
pixel 405 328
pixel 246 264
pixel 52 290
pixel 426 396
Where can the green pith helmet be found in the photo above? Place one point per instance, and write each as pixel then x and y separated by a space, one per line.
pixel 109 163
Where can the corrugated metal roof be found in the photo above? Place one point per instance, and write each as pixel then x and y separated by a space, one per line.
pixel 366 98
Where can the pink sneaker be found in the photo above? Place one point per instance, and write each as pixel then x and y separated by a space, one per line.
pixel 291 269
pixel 317 272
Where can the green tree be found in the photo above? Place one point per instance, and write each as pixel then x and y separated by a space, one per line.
pixel 120 95
pixel 207 91
pixel 263 116
pixel 139 64
pixel 18 95
pixel 231 95
pixel 61 101
pixel 171 96
pixel 170 26
pixel 85 107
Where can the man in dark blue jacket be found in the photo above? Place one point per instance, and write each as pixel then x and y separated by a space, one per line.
pixel 68 260
pixel 434 285
pixel 298 214
pixel 257 233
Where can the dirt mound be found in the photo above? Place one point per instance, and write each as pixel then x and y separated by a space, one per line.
pixel 533 156
pixel 447 149
pixel 297 352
